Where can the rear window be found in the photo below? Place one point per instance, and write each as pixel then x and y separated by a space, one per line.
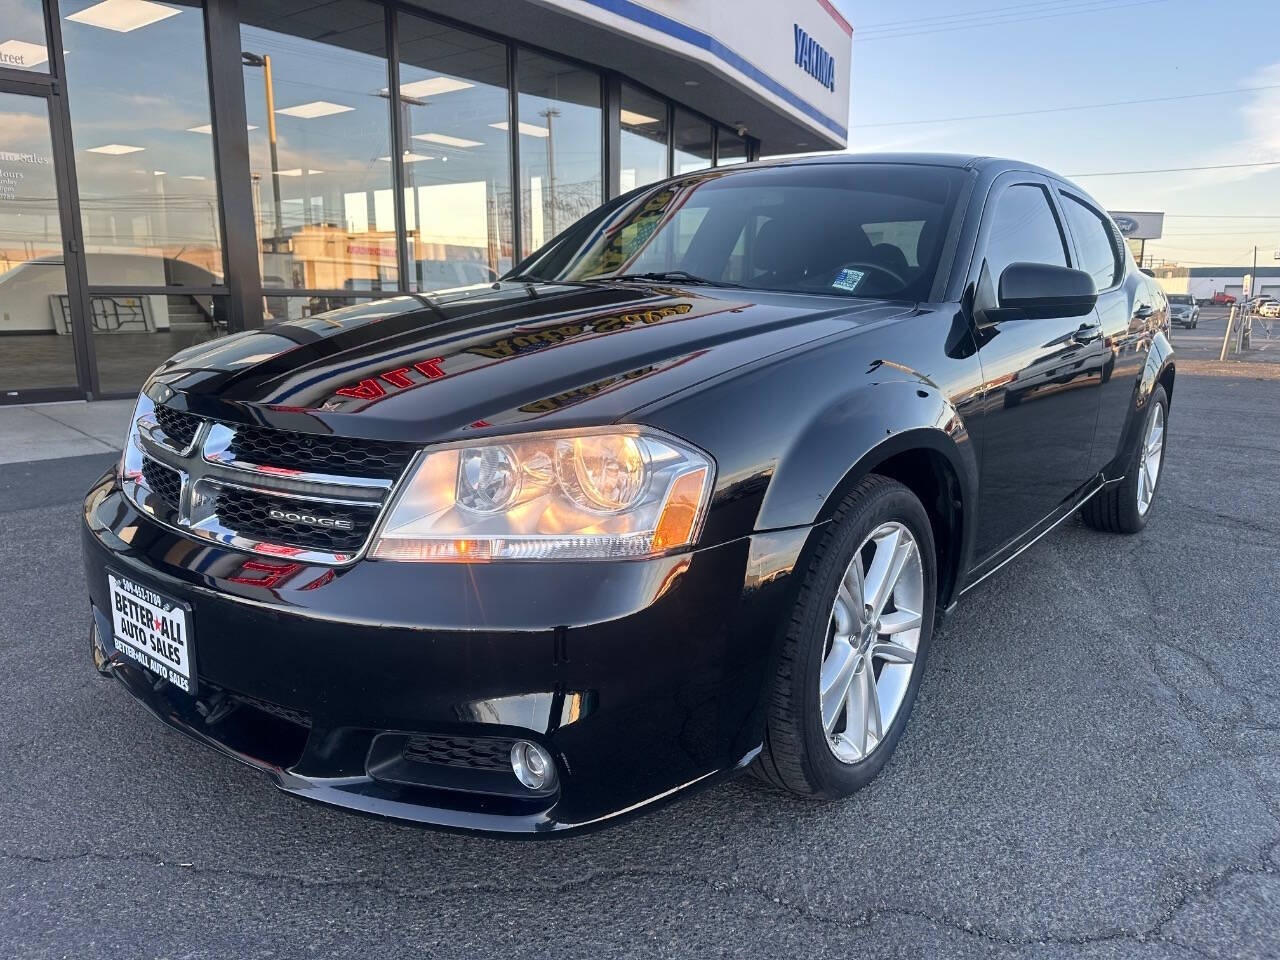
pixel 846 229
pixel 1179 298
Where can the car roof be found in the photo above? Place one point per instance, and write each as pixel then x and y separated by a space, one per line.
pixel 960 160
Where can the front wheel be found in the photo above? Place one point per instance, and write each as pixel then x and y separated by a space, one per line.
pixel 855 647
pixel 1125 506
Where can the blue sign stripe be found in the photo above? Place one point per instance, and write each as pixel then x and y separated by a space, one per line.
pixel 703 41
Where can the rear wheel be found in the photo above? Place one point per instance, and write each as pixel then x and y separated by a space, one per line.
pixel 855 647
pixel 1124 507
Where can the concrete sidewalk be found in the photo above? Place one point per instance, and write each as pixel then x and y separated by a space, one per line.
pixel 48 431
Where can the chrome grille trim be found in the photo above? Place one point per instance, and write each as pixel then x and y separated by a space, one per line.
pixel 217 449
pixel 206 466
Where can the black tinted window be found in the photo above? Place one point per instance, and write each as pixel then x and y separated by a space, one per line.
pixel 860 230
pixel 1024 229
pixel 1093 242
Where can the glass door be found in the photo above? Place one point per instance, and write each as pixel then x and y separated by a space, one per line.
pixel 39 323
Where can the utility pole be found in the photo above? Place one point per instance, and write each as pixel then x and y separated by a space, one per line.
pixel 263 60
pixel 549 115
pixel 1246 334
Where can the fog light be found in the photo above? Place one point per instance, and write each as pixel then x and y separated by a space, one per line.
pixel 532 765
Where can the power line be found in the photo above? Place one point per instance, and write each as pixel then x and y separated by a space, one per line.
pixel 1083 106
pixel 1223 216
pixel 1264 232
pixel 972 19
pixel 1133 173
pixel 1093 6
pixel 964 14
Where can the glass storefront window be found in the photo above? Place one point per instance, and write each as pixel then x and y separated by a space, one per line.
pixel 283 307
pixel 561 161
pixel 643 120
pixel 35 327
pixel 320 143
pixel 730 148
pixel 457 169
pixel 138 92
pixel 22 41
pixel 692 142
pixel 134 334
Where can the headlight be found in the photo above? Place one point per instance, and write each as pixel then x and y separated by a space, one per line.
pixel 601 494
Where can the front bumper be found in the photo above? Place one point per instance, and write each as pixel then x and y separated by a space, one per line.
pixel 641 678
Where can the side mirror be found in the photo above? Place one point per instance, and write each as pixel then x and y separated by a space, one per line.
pixel 1040 290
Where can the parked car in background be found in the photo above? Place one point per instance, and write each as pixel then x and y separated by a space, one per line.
pixel 1269 309
pixel 683 494
pixel 1183 310
pixel 1221 299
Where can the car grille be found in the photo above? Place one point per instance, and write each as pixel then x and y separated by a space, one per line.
pixel 164 482
pixel 179 427
pixel 249 513
pixel 316 498
pixel 320 454
pixel 298 717
pixel 475 753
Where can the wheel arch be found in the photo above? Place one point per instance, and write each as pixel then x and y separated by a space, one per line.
pixel 904 429
pixel 920 461
pixel 1160 370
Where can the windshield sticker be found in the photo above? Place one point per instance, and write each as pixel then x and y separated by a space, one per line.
pixel 848 279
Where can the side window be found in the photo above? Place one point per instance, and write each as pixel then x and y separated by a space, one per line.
pixel 1024 228
pixel 1093 236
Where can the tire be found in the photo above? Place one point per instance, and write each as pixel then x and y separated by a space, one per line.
pixel 798 754
pixel 1116 509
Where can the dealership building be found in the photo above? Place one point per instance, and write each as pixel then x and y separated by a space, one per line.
pixel 172 171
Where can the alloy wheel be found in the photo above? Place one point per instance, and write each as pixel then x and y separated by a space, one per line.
pixel 872 639
pixel 1150 459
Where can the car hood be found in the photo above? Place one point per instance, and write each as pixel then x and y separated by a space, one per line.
pixel 496 357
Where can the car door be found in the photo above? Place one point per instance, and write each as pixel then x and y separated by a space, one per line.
pixel 1040 376
pixel 1126 302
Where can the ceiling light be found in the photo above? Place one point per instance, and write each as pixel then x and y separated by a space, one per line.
pixel 528 129
pixel 432 86
pixel 158 173
pixel 194 176
pixel 316 108
pixel 409 157
pixel 445 140
pixel 208 128
pixel 123 16
pixel 296 172
pixel 633 119
pixel 115 149
pixel 19 53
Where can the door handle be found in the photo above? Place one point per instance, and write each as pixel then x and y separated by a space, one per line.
pixel 1086 333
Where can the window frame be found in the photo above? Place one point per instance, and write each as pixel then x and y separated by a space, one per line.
pixel 992 206
pixel 1118 259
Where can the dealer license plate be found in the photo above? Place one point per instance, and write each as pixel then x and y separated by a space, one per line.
pixel 152 630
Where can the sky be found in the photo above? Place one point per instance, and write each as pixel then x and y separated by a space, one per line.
pixel 931 60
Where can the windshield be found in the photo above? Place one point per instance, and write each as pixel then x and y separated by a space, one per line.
pixel 1179 298
pixel 856 230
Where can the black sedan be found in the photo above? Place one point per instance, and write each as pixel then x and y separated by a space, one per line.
pixel 685 494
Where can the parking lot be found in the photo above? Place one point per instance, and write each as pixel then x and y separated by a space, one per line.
pixel 1092 770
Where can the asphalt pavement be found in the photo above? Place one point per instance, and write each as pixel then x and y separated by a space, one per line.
pixel 1092 770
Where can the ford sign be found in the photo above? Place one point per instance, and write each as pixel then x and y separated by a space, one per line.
pixel 1127 225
